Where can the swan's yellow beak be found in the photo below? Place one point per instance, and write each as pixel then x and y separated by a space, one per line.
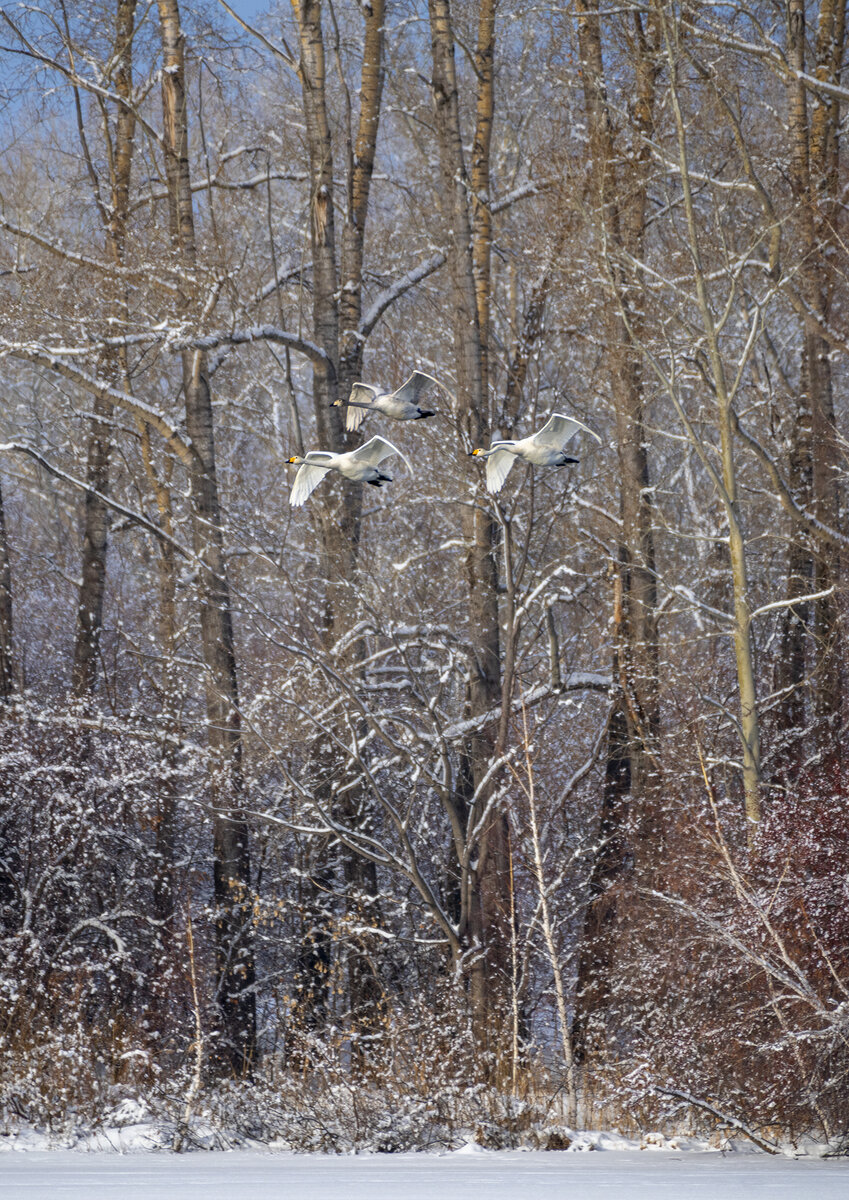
pixel 292 459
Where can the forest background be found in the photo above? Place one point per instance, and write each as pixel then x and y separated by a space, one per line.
pixel 424 811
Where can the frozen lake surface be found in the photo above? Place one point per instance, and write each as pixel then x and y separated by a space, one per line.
pixel 254 1175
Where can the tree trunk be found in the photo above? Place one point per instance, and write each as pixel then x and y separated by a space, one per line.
pixel 630 823
pixel 89 621
pixel 336 317
pixel 480 179
pixel 7 669
pixel 725 479
pixel 95 538
pixel 360 169
pixel 235 969
pixel 10 857
pixel 815 452
pixel 487 934
pixel 361 883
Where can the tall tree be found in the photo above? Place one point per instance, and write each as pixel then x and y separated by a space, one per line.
pixel 630 824
pixel 235 967
pixel 336 316
pixel 7 662
pixel 113 216
pixel 815 626
pixel 486 934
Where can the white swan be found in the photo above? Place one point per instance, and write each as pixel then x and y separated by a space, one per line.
pixel 361 466
pixel 402 405
pixel 543 449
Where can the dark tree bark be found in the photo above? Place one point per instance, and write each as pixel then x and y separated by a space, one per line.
pixel 336 318
pixel 813 635
pixel 486 916
pixel 360 169
pixel 89 621
pixel 9 850
pixel 171 694
pixel 235 968
pixel 630 826
pixel 7 668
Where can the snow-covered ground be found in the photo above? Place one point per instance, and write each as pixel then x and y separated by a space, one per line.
pixel 254 1175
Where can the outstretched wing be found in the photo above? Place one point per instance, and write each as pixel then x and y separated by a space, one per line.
pixel 498 466
pixel 374 452
pixel 559 429
pixel 361 393
pixel 415 387
pixel 308 478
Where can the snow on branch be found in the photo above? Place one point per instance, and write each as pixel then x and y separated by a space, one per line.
pixel 791 603
pixel 424 269
pixel 227 185
pixel 136 517
pixel 283 276
pixel 825 533
pixel 172 341
pixel 257 333
pixel 389 295
pixel 82 260
pixel 732 1122
pixel 578 681
pixel 36 353
pixel 80 81
pixel 532 188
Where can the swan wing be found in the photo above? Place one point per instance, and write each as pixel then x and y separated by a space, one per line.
pixel 498 466
pixel 374 452
pixel 308 478
pixel 558 430
pixel 361 393
pixel 415 387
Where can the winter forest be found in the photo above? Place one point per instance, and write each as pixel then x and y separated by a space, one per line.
pixel 425 809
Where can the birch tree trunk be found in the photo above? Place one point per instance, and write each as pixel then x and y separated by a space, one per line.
pixel 235 968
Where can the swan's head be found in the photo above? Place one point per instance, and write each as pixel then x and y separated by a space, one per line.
pixel 337 403
pixel 296 458
pixel 475 452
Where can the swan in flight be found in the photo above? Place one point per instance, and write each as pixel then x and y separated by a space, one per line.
pixel 543 449
pixel 402 405
pixel 362 466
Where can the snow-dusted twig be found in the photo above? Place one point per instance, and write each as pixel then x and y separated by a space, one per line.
pixel 136 517
pixel 759 1139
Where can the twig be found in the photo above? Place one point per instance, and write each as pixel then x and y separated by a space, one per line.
pixel 759 1140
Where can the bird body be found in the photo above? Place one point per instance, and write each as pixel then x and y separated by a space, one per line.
pixel 542 449
pixel 401 405
pixel 360 466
